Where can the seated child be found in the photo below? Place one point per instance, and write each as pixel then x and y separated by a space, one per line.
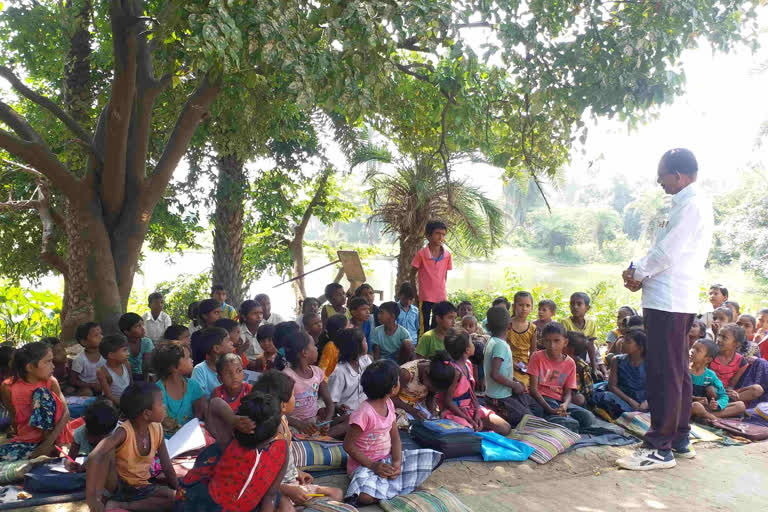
pixel 229 368
pixel 730 366
pixel 698 331
pixel 761 332
pixel 614 335
pixel 360 315
pixel 179 333
pixel 115 376
pixel 506 396
pixel 720 317
pixel 456 383
pixel 243 474
pixel 233 328
pixel 208 311
pixel 710 400
pixel 367 292
pixel 250 316
pixel 749 347
pixel 389 340
pixel 629 323
pixel 334 294
pixel 309 383
pixel 267 359
pixel 87 363
pixel 580 305
pixel 100 420
pixel 546 312
pixel 408 316
pixel 310 305
pixel 498 301
pixel 215 342
pixel 344 382
pixel 577 344
pixel 626 389
pixel 140 347
pixel 328 349
pixel 120 463
pixel 6 378
pixel 378 467
pixel 313 325
pixel 36 404
pixel 296 485
pixel 521 335
pixel 553 379
pixel 416 399
pixel 734 307
pixel 62 366
pixel 184 399
pixel 432 341
pixel 478 338
pixel 156 321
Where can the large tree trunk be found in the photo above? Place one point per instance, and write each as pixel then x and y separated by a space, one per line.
pixel 228 227
pixel 410 244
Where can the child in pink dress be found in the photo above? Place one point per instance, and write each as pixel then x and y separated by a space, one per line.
pixel 377 465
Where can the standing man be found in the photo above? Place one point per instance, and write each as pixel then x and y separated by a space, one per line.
pixel 669 276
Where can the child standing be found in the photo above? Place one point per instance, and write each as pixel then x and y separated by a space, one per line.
pixel 546 312
pixel 115 376
pixel 328 349
pixel 268 357
pixel 184 399
pixel 389 340
pixel 377 465
pixel 432 341
pixel 334 293
pixel 626 388
pixel 580 305
pixel 37 405
pixel 553 379
pixel 216 343
pixel 140 347
pixel 296 485
pixel 251 314
pixel 233 388
pixel 208 311
pixel 522 334
pixel 100 420
pixel 457 383
pixel 156 321
pixel 309 383
pixel 431 265
pixel 219 294
pixel 408 316
pixel 86 365
pixel 344 383
pixel 506 396
pixel 710 400
pixel 120 463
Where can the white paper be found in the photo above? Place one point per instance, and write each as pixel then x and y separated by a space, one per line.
pixel 60 468
pixel 251 376
pixel 189 437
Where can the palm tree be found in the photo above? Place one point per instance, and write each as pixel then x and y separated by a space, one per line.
pixel 419 191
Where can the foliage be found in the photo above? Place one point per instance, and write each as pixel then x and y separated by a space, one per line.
pixel 604 306
pixel 27 315
pixel 556 230
pixel 183 291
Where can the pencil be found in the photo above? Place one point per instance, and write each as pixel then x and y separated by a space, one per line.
pixel 64 454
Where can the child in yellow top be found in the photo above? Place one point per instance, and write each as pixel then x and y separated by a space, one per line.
pixel 521 336
pixel 578 322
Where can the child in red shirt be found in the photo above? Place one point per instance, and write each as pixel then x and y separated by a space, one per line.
pixel 229 368
pixel 553 379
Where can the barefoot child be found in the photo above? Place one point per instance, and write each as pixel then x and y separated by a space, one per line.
pixel 457 383
pixel 215 342
pixel 334 293
pixel 184 399
pixel 86 365
pixel 710 400
pixel 309 383
pixel 229 368
pixel 120 463
pixel 100 420
pixel 626 388
pixel 553 379
pixel 505 395
pixel 522 334
pixel 431 265
pixel 115 376
pixel 296 485
pixel 389 340
pixel 344 382
pixel 378 467
pixel 37 405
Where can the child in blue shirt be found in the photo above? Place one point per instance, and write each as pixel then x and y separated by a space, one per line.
pixel 408 316
pixel 216 342
pixel 710 400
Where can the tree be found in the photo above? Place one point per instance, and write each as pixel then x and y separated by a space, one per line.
pixel 418 192
pixel 615 58
pixel 605 225
pixel 556 230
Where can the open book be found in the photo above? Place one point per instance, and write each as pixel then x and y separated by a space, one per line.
pixel 188 438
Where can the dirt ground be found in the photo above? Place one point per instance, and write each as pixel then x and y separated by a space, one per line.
pixel 586 480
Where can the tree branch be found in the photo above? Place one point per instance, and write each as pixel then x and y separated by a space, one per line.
pixel 477 24
pixel 39 157
pixel 17 123
pixel 406 69
pixel 194 111
pixel 302 227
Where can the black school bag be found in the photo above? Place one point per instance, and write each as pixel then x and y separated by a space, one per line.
pixel 453 442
